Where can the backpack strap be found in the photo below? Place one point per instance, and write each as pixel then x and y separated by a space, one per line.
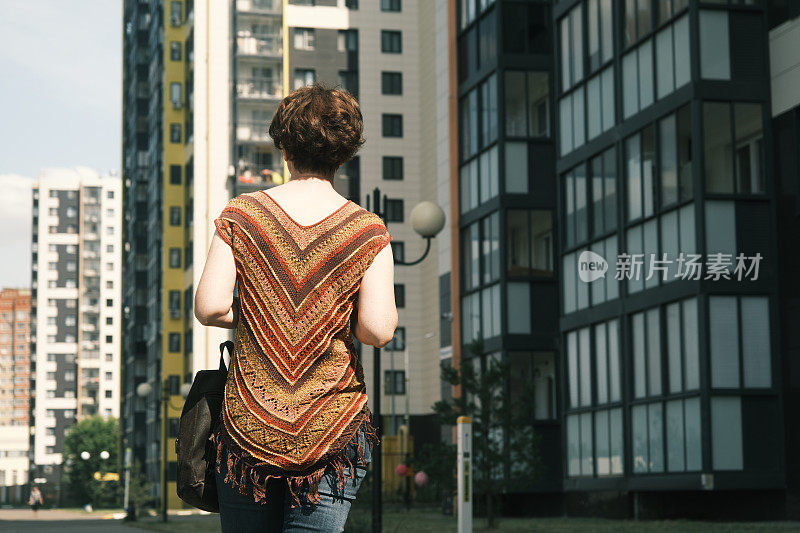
pixel 229 346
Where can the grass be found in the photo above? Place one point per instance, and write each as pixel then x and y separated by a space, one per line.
pixel 424 521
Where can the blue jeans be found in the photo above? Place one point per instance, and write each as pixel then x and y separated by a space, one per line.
pixel 239 513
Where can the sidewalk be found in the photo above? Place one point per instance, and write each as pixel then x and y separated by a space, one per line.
pixel 60 521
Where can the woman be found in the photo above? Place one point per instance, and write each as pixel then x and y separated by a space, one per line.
pixel 296 434
pixel 35 500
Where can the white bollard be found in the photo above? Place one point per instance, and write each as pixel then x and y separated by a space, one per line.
pixel 464 472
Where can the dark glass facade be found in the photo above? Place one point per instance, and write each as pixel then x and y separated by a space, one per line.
pixel 640 131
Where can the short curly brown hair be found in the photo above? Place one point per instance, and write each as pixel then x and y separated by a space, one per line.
pixel 319 128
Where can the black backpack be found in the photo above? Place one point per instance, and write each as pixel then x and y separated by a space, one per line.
pixel 197 483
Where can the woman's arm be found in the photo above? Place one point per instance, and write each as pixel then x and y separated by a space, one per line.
pixel 214 303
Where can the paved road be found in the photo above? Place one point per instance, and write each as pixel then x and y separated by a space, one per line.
pixel 49 520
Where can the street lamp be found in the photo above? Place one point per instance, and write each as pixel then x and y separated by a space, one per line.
pixel 427 219
pixel 85 455
pixel 144 390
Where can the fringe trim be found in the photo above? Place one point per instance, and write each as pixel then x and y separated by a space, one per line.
pixel 244 472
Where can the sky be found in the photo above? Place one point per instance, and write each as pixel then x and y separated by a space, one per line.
pixel 60 105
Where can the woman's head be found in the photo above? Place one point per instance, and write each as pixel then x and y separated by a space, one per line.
pixel 319 128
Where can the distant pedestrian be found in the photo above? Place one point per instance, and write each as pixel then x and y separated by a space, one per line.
pixel 36 500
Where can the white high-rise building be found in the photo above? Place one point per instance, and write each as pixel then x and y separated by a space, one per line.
pixel 76 297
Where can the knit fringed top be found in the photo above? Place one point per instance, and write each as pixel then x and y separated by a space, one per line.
pixel 295 395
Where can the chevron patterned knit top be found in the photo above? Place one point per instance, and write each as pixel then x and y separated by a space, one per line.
pixel 295 395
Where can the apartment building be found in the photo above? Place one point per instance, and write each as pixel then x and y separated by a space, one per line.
pixel 15 360
pixel 644 129
pixel 157 260
pixel 201 83
pixel 76 310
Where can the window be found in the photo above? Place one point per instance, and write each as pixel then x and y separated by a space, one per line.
pixel 109 339
pixel 398 342
pixel 399 295
pixel 682 346
pixel 571 48
pixel 600 102
pixel 175 95
pixel 526 28
pixel 532 377
pixel 638 20
pixel 529 242
pixel 580 457
pixel 394 382
pixel 174 216
pixel 726 433
pixel 394 210
pixel 575 209
pixel 174 133
pixel 390 5
pixel 391 83
pixel 645 332
pixel 304 39
pixel 392 167
pixel 109 394
pixel 175 13
pixel 392 125
pixel 740 331
pixel 527 97
pixel 348 80
pixel 175 174
pixel 467 54
pixel 109 284
pixel 174 304
pixel 668 8
pixel 637 79
pixel 110 195
pixel 391 42
pixel 487 40
pixel 599 25
pixel 672 57
pixel 303 77
pixel 572 121
pixel 109 321
pixel 603 183
pixel 675 138
pixel 715 61
pixel 398 250
pixel 174 257
pixel 175 50
pixel 734 156
pixel 174 342
pixel 639 170
pixel 110 302
pixel 647 435
pixel 347 40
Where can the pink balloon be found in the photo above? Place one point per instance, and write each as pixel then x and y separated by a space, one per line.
pixel 421 479
pixel 401 470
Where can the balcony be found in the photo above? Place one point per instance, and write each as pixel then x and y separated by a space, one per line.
pixel 253 132
pixel 259 88
pixel 260 7
pixel 248 44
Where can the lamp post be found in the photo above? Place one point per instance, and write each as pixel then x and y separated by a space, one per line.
pixel 427 219
pixel 144 390
pixel 86 455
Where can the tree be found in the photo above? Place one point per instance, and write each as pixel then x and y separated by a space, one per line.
pixel 505 445
pixel 93 435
